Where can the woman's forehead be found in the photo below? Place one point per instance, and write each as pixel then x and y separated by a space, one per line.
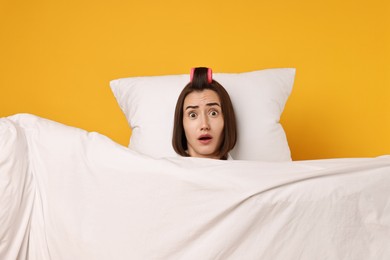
pixel 202 97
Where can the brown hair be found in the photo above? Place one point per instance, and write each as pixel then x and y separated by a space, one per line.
pixel 199 83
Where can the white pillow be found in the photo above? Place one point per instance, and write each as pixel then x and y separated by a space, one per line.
pixel 258 99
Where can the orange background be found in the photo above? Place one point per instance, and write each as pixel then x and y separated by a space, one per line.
pixel 57 58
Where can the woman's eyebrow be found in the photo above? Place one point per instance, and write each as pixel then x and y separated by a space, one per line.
pixel 213 104
pixel 193 107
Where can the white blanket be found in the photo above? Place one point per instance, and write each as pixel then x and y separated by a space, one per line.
pixel 70 194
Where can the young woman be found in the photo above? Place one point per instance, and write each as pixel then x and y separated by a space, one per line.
pixel 204 123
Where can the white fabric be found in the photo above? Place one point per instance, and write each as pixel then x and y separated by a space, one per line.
pixel 16 192
pixel 258 98
pixel 77 195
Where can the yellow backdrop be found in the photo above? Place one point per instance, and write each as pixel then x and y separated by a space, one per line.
pixel 57 58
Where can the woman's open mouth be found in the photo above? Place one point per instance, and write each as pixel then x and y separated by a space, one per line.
pixel 205 139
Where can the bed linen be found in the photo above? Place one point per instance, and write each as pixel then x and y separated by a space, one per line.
pixel 66 193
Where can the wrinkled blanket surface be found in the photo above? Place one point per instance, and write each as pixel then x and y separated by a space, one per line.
pixel 66 193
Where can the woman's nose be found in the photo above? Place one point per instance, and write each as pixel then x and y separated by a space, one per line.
pixel 205 125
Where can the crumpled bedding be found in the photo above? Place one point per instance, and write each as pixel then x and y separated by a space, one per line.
pixel 66 193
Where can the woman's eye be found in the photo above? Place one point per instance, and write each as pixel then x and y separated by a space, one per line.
pixel 213 113
pixel 192 115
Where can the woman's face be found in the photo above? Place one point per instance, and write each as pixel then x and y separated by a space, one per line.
pixel 203 123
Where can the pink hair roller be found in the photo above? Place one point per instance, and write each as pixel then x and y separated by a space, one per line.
pixel 192 74
pixel 209 75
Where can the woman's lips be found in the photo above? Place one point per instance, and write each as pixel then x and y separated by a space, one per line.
pixel 205 139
